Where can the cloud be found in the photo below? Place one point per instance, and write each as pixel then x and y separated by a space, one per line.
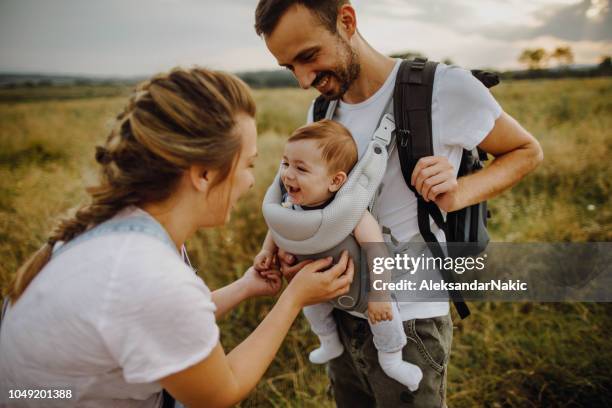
pixel 137 37
pixel 462 15
pixel 468 49
pixel 589 20
pixel 574 20
pixel 140 37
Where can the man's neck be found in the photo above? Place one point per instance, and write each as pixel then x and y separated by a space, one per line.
pixel 375 69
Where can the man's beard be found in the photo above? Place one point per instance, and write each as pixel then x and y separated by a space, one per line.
pixel 345 74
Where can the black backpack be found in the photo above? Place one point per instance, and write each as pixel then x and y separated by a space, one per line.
pixel 412 111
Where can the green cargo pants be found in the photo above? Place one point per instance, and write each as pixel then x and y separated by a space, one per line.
pixel 357 380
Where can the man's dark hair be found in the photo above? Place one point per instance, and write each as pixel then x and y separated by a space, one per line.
pixel 269 12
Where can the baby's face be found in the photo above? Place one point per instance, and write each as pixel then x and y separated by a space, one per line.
pixel 305 174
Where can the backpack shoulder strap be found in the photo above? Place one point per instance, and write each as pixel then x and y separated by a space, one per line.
pixel 320 108
pixel 488 79
pixel 412 106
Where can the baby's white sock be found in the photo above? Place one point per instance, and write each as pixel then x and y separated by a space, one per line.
pixel 401 371
pixel 331 347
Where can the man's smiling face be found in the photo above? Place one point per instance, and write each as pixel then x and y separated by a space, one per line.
pixel 317 57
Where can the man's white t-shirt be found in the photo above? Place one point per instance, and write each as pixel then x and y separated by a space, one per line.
pixel 463 113
pixel 107 319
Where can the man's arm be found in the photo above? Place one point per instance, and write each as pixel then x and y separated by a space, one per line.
pixel 516 152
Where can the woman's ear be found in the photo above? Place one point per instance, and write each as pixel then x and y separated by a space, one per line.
pixel 337 181
pixel 200 177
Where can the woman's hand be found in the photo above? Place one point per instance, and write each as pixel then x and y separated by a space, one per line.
pixel 238 372
pixel 264 283
pixel 318 282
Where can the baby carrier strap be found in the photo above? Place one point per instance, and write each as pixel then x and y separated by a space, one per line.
pixel 319 230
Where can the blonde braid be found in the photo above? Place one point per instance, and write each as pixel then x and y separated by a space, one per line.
pixel 170 122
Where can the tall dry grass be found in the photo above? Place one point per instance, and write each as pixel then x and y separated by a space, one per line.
pixel 504 355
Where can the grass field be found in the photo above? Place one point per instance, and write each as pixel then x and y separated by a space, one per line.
pixel 504 355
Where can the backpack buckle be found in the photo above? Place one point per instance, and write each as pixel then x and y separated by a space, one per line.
pixel 418 64
pixel 404 135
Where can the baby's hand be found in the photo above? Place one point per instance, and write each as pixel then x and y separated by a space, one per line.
pixel 379 311
pixel 263 260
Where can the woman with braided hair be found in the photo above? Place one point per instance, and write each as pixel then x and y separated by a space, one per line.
pixel 107 312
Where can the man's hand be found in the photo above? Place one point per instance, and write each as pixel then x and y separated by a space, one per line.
pixel 379 311
pixel 434 178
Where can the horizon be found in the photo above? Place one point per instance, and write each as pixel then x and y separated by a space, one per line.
pixel 119 77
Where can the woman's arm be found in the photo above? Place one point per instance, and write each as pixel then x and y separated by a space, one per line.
pixel 223 380
pixel 251 284
pixel 229 297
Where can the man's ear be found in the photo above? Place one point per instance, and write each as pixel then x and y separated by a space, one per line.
pixel 337 181
pixel 347 20
pixel 200 177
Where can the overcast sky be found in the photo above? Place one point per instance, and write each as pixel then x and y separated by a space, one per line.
pixel 141 37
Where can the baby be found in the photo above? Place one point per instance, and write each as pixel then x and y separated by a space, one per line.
pixel 316 162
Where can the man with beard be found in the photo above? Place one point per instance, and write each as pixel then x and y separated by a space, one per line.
pixel 319 42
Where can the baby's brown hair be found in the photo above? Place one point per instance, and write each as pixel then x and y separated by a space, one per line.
pixel 338 148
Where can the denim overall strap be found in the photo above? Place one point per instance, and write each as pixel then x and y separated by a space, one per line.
pixel 138 224
pixel 141 224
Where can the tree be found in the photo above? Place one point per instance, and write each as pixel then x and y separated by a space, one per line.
pixel 563 55
pixel 605 66
pixel 533 58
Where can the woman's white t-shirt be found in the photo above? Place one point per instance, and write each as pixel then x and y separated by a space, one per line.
pixel 107 319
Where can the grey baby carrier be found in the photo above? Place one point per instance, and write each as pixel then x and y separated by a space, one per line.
pixel 412 118
pixel 327 231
